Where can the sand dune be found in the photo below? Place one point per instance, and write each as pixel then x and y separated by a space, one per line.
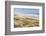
pixel 25 21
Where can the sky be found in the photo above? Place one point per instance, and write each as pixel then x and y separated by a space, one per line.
pixel 26 11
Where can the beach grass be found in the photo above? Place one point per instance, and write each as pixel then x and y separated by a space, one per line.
pixel 25 22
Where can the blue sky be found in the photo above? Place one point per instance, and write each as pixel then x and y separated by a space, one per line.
pixel 26 11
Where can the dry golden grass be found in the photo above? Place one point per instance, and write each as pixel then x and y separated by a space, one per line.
pixel 25 22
